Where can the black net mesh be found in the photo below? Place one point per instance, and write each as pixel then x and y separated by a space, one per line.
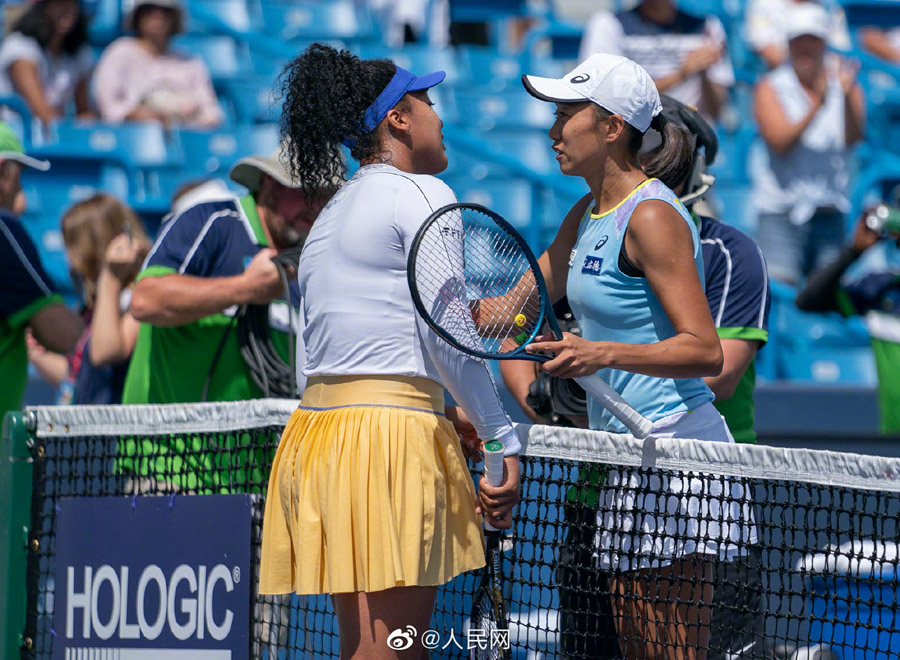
pixel 815 575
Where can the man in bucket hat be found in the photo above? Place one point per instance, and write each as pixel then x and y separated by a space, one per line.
pixel 208 261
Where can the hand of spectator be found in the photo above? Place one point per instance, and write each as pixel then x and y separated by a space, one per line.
pixel 701 59
pixel 124 256
pixel 262 280
pixel 863 237
pixel 847 75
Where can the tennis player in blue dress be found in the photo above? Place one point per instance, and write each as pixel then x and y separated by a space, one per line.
pixel 628 256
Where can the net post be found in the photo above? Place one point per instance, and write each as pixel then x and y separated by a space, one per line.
pixel 15 507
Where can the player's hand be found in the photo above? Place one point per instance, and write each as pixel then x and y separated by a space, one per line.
pixel 262 281
pixel 124 256
pixel 468 436
pixel 574 357
pixel 863 237
pixel 701 59
pixel 497 502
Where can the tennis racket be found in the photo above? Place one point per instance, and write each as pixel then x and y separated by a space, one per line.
pixel 478 285
pixel 488 608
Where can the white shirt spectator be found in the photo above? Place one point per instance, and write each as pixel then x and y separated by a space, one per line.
pixel 660 49
pixel 765 25
pixel 59 76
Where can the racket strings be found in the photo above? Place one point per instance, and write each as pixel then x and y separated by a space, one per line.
pixel 477 282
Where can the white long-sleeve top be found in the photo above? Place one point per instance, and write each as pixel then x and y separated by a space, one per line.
pixel 358 312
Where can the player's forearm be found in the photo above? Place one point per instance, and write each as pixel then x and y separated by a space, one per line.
pixel 172 300
pixel 682 356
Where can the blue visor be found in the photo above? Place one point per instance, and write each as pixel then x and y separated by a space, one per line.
pixel 402 82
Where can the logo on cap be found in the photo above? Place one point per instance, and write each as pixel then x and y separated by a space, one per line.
pixel 580 78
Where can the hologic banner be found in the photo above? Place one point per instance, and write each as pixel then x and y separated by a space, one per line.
pixel 153 578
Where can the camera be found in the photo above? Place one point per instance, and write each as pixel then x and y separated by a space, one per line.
pixel 558 398
pixel 884 219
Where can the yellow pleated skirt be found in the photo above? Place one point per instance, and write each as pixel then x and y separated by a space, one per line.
pixel 369 490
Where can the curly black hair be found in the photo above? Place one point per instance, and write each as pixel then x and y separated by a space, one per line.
pixel 325 94
pixel 33 23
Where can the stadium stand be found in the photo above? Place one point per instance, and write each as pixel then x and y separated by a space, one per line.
pixel 495 133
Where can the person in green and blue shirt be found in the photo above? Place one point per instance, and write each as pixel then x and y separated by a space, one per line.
pixel 29 300
pixel 206 263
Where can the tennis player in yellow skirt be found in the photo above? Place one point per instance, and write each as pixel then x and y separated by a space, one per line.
pixel 370 498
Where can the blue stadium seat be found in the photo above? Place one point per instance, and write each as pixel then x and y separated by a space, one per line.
pixel 214 152
pixel 421 60
pixel 236 14
pixel 513 109
pixel 733 204
pixel 336 19
pixel 252 100
pixel 838 366
pixel 225 58
pixel 511 198
pixel 134 144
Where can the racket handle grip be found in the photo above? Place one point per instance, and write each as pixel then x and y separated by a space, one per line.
pixel 493 469
pixel 607 397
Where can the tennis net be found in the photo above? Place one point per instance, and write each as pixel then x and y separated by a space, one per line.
pixel 801 547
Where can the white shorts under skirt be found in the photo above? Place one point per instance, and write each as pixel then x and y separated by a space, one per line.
pixel 647 518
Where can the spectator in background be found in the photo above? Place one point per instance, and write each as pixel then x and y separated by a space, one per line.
pixel 883 42
pixel 810 110
pixel 208 261
pixel 106 243
pixel 29 301
pixel 876 294
pixel 141 78
pixel 47 61
pixel 686 55
pixel 766 29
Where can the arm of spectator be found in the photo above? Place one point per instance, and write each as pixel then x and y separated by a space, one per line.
pixel 518 375
pixel 27 83
pixel 738 354
pixel 854 103
pixel 114 333
pixel 56 327
pixel 821 291
pixel 173 299
pixel 83 99
pixel 775 128
pixel 696 61
pixel 876 41
pixel 52 367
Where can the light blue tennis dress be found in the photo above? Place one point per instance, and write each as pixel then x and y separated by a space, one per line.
pixel 646 517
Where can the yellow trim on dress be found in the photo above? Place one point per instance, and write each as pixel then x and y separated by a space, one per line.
pixel 398 391
pixel 625 199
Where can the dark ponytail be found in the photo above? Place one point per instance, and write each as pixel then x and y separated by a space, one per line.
pixel 325 94
pixel 672 161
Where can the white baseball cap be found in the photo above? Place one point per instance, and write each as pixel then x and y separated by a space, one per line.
pixel 808 18
pixel 613 82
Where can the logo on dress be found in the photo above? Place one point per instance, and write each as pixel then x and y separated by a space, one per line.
pixel 601 242
pixel 592 265
pixel 572 257
pixel 580 78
